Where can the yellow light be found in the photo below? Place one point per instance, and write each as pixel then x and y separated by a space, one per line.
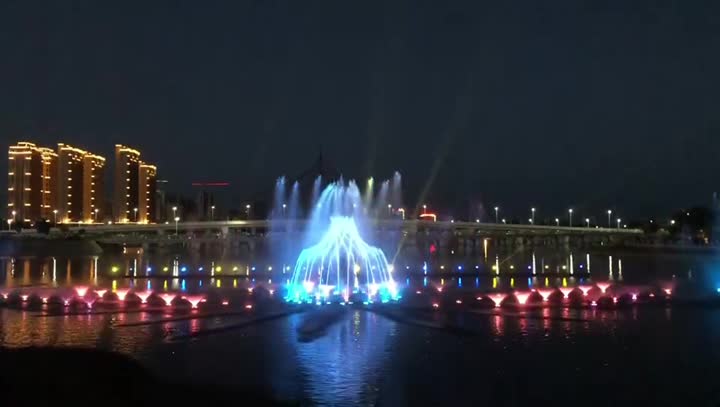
pixel 218 269
pixel 356 268
pixel 114 269
pixel 218 283
pixel 165 268
pixel 235 268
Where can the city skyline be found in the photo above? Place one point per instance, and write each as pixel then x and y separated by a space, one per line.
pixel 67 185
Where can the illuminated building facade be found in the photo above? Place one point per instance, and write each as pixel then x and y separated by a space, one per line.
pixel 32 172
pixel 147 193
pixel 79 185
pixel 126 192
pixel 93 187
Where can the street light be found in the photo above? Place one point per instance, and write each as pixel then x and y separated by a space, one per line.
pixel 177 219
pixel 557 221
pixel 496 214
pixel 672 221
pixel 283 206
pixel 570 215
pixel 532 216
pixel 587 220
pixel 390 209
pixel 503 221
pixel 55 215
pixel 424 209
pixel 9 224
pixel 96 212
pixel 618 222
pixel 247 211
pixel 174 208
pixel 609 218
pixel 136 216
pixel 212 211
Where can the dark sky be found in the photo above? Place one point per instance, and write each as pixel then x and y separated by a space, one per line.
pixel 545 103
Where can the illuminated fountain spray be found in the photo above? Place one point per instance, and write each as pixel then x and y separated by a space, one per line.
pixel 337 263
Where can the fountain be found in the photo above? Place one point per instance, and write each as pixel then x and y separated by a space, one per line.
pixel 337 264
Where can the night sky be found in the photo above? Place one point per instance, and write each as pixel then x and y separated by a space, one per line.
pixel 545 103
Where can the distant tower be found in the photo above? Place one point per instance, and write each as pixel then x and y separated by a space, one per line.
pixel 32 176
pixel 126 181
pixel 147 193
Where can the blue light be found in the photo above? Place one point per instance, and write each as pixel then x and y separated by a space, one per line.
pixel 200 269
pixel 149 269
pixel 183 269
pixel 252 268
pixel 341 261
pixel 425 267
pixel 477 282
pixel 424 281
pixel 200 283
pixel 718 289
pixel 182 285
pixel 460 282
pixel 460 268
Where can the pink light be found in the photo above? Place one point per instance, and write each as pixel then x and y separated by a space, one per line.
pixel 143 295
pixel 458 302
pixel 250 290
pixel 435 305
pixel 418 292
pixel 101 292
pixel 225 302
pixel 614 300
pixel 545 293
pixel 566 291
pixel 167 298
pixel 24 297
pixel 272 292
pixel 634 297
pixel 478 298
pixel 67 303
pixel 249 306
pixel 652 295
pixel 81 290
pixel 121 294
pixel 585 289
pixel 194 300
pixel 439 289
pixel 603 286
pixel 522 297
pixel 593 304
pixel 44 300
pixel 668 291
pixel 497 298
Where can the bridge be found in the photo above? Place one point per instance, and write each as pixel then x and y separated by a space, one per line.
pixel 464 236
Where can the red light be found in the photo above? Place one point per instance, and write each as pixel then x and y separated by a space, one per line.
pixel 225 302
pixel 496 298
pixel 566 291
pixel 545 293
pixel 81 290
pixel 429 216
pixel 522 297
pixel 249 306
pixel 435 305
pixel 458 302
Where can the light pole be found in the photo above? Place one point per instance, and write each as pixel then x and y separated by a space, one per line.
pixel 504 221
pixel 284 207
pixel 532 216
pixel 402 211
pixel 247 211
pixel 618 222
pixel 390 209
pixel 587 220
pixel 609 218
pixel 55 215
pixel 96 212
pixel 557 221
pixel 174 208
pixel 9 224
pixel 212 211
pixel 177 219
pixel 136 216
pixel 496 214
pixel 570 216
pixel 424 209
